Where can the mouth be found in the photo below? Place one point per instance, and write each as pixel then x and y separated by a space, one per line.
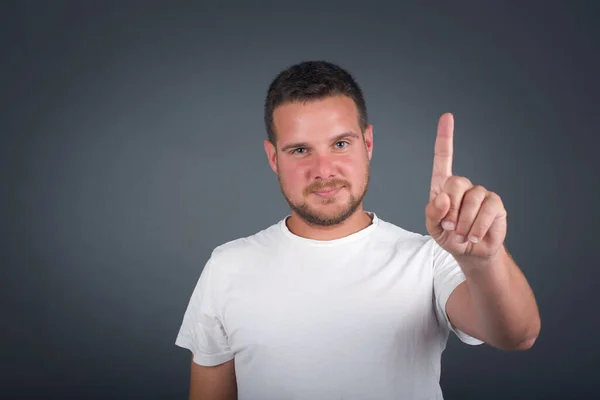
pixel 328 192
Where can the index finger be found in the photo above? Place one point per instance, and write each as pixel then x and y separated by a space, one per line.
pixel 442 155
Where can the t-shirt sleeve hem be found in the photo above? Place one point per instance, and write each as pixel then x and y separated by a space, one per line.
pixel 463 336
pixel 201 358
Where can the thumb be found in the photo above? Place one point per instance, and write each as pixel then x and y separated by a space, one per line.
pixel 435 211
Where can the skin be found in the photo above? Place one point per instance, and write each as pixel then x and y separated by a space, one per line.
pixel 465 219
pixel 495 303
pixel 320 146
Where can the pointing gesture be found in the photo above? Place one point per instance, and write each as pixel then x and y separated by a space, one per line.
pixel 442 155
pixel 464 219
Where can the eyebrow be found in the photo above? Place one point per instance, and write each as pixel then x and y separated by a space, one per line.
pixel 335 139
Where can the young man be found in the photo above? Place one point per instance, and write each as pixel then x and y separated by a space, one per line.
pixel 332 302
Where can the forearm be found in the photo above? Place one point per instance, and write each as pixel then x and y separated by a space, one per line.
pixel 503 301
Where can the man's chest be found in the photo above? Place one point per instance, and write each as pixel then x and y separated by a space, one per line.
pixel 285 311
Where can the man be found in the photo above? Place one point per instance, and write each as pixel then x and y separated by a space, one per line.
pixel 332 302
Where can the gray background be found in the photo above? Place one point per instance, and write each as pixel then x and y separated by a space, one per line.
pixel 131 146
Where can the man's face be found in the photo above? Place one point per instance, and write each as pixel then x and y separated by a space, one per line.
pixel 322 158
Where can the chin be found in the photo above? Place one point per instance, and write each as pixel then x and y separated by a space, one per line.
pixel 328 214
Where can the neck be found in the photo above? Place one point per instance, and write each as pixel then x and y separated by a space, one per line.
pixel 355 223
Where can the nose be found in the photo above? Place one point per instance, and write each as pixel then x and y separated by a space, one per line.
pixel 323 167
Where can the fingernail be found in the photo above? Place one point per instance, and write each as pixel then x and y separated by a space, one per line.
pixel 460 238
pixel 448 225
pixel 474 239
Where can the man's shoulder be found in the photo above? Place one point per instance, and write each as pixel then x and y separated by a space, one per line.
pixel 246 246
pixel 396 236
pixel 392 233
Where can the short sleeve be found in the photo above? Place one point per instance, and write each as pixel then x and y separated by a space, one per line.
pixel 202 331
pixel 447 275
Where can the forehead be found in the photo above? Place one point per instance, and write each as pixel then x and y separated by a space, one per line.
pixel 323 117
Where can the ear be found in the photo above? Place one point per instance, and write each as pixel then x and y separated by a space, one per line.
pixel 271 154
pixel 368 137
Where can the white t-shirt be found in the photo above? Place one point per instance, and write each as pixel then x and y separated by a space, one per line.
pixel 360 317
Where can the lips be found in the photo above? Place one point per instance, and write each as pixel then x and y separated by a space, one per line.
pixel 327 192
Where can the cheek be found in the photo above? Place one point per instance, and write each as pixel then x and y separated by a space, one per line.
pixel 355 172
pixel 293 174
pixel 352 167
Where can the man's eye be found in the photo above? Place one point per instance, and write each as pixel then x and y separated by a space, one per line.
pixel 299 150
pixel 341 144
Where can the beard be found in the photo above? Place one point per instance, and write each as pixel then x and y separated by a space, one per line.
pixel 313 216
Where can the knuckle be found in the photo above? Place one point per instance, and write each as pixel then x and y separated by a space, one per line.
pixel 496 197
pixel 457 185
pixel 474 197
pixel 463 182
pixel 480 188
pixel 495 201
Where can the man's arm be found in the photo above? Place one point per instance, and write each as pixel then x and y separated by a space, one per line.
pixel 213 383
pixel 495 304
pixel 468 221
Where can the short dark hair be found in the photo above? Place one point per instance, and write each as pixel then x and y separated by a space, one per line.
pixel 312 80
